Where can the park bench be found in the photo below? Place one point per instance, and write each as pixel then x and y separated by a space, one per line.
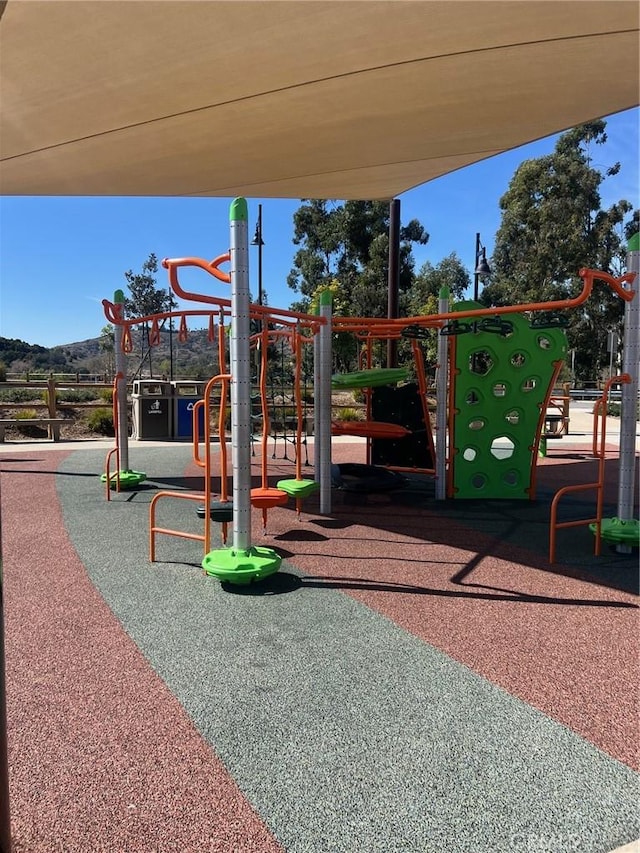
pixel 52 424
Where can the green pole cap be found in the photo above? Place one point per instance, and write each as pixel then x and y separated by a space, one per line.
pixel 634 243
pixel 118 297
pixel 325 297
pixel 239 212
pixel 445 293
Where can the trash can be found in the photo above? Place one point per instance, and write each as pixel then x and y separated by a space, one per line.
pixel 152 409
pixel 185 395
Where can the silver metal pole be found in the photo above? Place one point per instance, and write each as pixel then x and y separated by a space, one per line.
pixel 324 404
pixel 121 367
pixel 631 361
pixel 240 376
pixel 442 377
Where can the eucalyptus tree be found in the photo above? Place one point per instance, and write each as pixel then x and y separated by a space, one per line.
pixel 349 243
pixel 146 299
pixel 553 225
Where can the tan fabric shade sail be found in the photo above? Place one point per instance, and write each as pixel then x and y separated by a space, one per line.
pixel 295 99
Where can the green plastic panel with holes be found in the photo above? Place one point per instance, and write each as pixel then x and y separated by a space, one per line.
pixel 504 367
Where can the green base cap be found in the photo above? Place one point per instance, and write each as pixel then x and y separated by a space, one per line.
pixel 128 479
pixel 298 488
pixel 619 531
pixel 241 567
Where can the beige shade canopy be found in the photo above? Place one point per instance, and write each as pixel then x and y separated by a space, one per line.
pixel 299 99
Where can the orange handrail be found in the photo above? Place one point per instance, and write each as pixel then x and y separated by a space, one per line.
pixel 153 529
pixel 557 367
pixel 600 420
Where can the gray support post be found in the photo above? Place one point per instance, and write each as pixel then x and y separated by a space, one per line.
pixel 442 383
pixel 121 367
pixel 240 376
pixel 393 288
pixel 631 360
pixel 324 405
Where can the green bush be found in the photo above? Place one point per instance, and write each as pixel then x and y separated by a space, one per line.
pixel 101 422
pixel 75 395
pixel 614 410
pixel 346 414
pixel 3 372
pixel 106 394
pixel 26 414
pixel 19 395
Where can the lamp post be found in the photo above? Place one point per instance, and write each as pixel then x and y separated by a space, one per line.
pixel 259 242
pixel 482 268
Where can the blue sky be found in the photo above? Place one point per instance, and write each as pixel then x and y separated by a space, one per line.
pixel 60 257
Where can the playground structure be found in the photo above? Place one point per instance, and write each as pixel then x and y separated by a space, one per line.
pixel 495 374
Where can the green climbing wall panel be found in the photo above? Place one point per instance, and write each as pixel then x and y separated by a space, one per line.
pixel 504 369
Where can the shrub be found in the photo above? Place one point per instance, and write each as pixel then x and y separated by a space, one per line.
pixel 3 372
pixel 346 414
pixel 106 394
pixel 614 410
pixel 75 395
pixel 19 395
pixel 101 421
pixel 26 414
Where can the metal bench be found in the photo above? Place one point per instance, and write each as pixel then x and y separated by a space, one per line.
pixel 555 425
pixel 52 424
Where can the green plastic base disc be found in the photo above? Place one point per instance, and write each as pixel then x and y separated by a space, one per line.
pixel 619 531
pixel 128 479
pixel 241 567
pixel 373 377
pixel 298 488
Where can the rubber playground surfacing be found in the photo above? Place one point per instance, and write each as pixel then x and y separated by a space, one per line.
pixel 417 677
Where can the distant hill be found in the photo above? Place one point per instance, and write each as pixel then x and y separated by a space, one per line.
pixel 195 358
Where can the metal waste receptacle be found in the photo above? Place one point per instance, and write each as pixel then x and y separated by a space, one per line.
pixel 152 409
pixel 185 395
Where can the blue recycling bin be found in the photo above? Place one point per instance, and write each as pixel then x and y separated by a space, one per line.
pixel 185 395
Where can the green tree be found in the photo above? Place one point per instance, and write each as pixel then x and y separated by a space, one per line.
pixel 107 346
pixel 449 272
pixel 553 225
pixel 423 296
pixel 349 243
pixel 146 300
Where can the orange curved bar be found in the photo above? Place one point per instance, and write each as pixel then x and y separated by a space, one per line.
pixel 211 267
pixel 183 331
pixel 113 312
pixel 264 407
pixel 614 283
pixel 127 341
pixel 588 276
pixel 154 334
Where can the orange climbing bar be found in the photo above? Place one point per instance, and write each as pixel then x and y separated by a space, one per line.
pixel 599 451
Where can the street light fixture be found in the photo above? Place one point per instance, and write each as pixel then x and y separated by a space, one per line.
pixel 259 242
pixel 482 268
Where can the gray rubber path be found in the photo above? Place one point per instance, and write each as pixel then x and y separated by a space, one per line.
pixel 345 732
